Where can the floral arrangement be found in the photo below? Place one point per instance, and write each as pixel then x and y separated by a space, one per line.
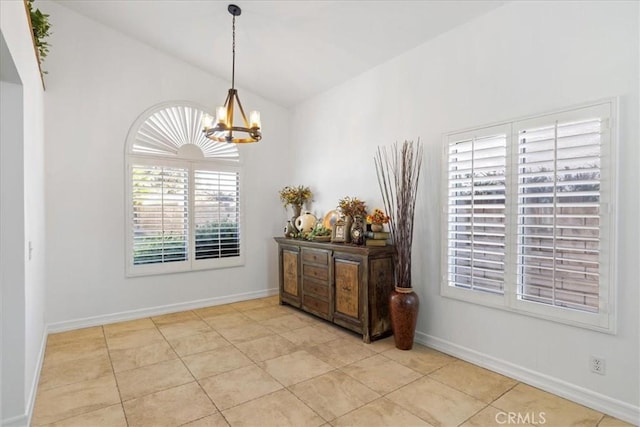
pixel 295 196
pixel 352 206
pixel 377 217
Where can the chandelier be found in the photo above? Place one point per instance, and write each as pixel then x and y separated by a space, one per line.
pixel 224 130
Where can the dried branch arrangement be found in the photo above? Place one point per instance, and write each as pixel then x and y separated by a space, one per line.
pixel 398 171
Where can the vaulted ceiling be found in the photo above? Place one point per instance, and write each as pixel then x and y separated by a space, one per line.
pixel 286 51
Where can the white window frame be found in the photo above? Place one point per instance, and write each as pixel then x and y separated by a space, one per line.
pixel 605 319
pixel 192 160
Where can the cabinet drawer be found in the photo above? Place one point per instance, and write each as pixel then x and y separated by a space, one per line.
pixel 316 257
pixel 315 304
pixel 316 288
pixel 319 273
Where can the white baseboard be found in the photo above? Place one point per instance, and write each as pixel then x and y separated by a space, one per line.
pixel 86 322
pixel 24 420
pixel 19 421
pixel 583 396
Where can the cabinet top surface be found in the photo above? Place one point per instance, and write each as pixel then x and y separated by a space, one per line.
pixel 342 247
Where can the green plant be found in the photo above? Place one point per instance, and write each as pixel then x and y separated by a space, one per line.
pixel 41 30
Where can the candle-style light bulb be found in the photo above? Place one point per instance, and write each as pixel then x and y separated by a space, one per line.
pixel 221 115
pixel 254 119
pixel 207 121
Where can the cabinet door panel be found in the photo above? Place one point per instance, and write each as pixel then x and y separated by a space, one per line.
pixel 347 274
pixel 290 272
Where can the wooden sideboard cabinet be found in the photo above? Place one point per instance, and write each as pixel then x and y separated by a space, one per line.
pixel 345 284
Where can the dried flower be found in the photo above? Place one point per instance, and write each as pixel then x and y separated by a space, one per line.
pixel 377 217
pixel 352 206
pixel 295 195
pixel 398 171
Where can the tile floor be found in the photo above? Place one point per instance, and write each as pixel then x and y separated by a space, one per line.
pixel 256 363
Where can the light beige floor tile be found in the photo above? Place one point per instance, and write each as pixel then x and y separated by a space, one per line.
pixel 68 337
pixel 112 416
pixel 90 347
pixel 381 374
pixel 183 329
pixel 382 345
pixel 280 408
pixel 238 386
pixel 333 394
pixel 493 417
pixel 214 311
pixel 252 304
pixel 285 323
pixel 137 357
pixel 341 352
pixel 245 333
pixel 273 299
pixel 309 336
pixel 474 380
pixel 216 361
pixel 435 402
pixel 422 359
pixel 267 347
pixel 558 411
pixel 198 343
pixel 215 420
pixel 73 371
pixel 130 339
pixel 229 320
pixel 128 326
pixel 379 413
pixel 70 400
pixel 148 379
pixel 265 313
pixel 172 407
pixel 608 421
pixel 295 367
pixel 336 330
pixel 181 316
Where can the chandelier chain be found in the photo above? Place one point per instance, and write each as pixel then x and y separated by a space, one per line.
pixel 233 53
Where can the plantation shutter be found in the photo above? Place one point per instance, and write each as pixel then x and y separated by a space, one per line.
pixel 216 214
pixel 559 211
pixel 159 221
pixel 476 210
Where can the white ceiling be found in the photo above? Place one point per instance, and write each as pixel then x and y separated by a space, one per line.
pixel 286 51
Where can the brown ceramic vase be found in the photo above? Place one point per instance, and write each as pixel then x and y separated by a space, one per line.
pixel 404 305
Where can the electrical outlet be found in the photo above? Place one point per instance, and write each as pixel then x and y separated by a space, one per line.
pixel 597 365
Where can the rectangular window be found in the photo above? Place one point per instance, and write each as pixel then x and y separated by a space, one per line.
pixel 529 216
pixel 183 216
pixel 160 220
pixel 217 214
pixel 476 210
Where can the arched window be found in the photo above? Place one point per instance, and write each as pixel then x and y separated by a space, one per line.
pixel 184 209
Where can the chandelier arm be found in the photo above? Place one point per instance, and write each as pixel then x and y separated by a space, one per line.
pixel 230 109
pixel 244 116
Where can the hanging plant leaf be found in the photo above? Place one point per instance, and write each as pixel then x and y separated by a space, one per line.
pixel 41 30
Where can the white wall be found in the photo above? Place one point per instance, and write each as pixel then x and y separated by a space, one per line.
pixel 99 82
pixel 23 184
pixel 523 58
